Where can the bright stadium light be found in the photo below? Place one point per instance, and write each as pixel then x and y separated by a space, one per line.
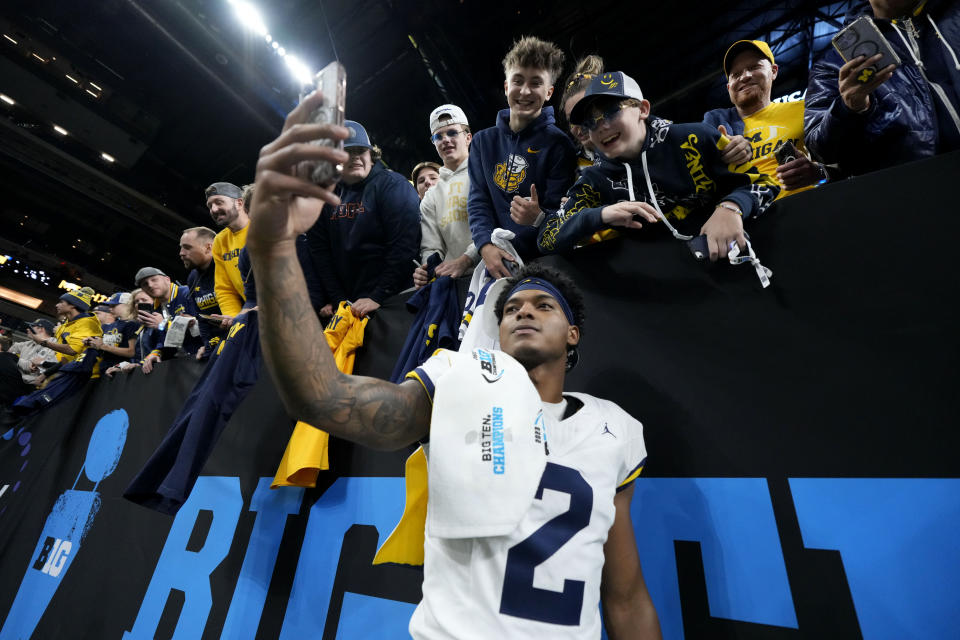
pixel 250 17
pixel 299 70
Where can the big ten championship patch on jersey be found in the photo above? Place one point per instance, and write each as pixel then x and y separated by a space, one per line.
pixel 486 446
pixel 510 174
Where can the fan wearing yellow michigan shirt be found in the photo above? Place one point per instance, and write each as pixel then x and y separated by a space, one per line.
pixel 307 451
pixel 757 127
pixel 226 206
pixel 76 324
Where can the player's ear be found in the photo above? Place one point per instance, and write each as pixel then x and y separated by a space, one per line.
pixel 549 93
pixel 573 335
pixel 774 68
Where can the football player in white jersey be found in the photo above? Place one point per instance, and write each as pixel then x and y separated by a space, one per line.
pixel 568 552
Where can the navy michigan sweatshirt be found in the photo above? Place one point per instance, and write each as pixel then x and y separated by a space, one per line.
pixel 504 164
pixel 363 247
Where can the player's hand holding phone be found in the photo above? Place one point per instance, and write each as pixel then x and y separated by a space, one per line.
pixel 285 205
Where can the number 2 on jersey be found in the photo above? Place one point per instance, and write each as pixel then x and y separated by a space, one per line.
pixel 520 598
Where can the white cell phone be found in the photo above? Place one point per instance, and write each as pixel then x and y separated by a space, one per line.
pixel 862 38
pixel 332 83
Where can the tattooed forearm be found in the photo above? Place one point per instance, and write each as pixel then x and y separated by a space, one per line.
pixel 372 412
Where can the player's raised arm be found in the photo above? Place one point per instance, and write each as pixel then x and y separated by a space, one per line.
pixel 372 412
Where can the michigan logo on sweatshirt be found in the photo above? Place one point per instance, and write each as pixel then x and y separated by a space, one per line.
pixel 509 175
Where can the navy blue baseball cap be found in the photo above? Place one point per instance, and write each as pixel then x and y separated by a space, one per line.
pixel 358 135
pixel 613 83
pixel 43 323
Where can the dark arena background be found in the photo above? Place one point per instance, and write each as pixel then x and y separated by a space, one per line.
pixel 802 479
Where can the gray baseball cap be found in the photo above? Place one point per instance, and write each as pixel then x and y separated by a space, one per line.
pixel 145 273
pixel 227 189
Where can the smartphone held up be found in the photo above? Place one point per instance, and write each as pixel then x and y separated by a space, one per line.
pixel 331 82
pixel 862 38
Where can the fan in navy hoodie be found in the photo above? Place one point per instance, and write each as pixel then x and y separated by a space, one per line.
pixel 504 164
pixel 362 248
pixel 677 167
pixel 524 164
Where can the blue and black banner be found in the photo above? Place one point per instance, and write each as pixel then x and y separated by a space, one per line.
pixel 802 479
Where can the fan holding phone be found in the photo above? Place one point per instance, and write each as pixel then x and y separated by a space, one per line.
pixel 762 135
pixel 887 91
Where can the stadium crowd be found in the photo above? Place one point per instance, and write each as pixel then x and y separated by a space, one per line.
pixel 541 180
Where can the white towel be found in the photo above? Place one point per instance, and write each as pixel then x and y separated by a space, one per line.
pixel 487 450
pixel 479 293
pixel 483 332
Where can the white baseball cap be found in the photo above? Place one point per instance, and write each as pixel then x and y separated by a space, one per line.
pixel 457 116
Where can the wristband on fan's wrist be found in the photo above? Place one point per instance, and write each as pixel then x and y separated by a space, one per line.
pixel 726 205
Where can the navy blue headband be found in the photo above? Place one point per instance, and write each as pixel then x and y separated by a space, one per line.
pixel 538 284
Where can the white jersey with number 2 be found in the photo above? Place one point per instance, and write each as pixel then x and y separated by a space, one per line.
pixel 542 580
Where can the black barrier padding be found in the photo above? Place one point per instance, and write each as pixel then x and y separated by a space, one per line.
pixel 850 352
pixel 845 367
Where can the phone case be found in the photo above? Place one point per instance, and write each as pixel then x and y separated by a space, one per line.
pixel 862 38
pixel 786 153
pixel 332 83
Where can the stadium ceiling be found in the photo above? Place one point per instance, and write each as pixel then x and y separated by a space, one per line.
pixel 124 110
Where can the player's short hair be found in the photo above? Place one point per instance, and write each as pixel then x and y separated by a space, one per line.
pixel 5 343
pixel 533 52
pixel 564 284
pixel 247 196
pixel 203 233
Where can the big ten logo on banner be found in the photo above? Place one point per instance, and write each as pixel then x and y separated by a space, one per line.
pixel 65 528
pixel 376 502
pixel 896 540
